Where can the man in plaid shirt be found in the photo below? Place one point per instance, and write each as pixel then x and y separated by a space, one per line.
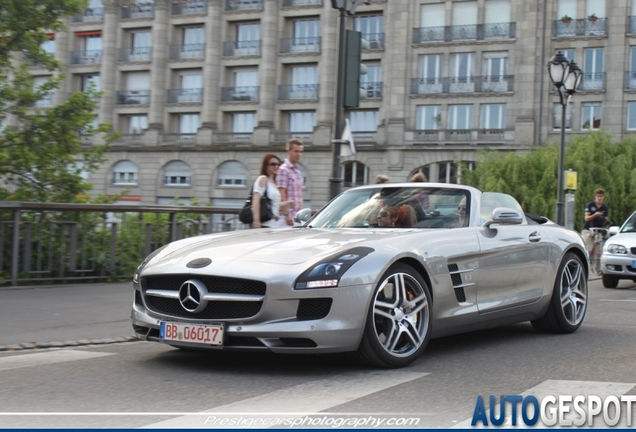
pixel 289 179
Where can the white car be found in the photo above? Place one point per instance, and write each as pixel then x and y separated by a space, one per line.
pixel 618 260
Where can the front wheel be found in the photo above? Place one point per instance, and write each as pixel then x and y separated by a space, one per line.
pixel 610 281
pixel 398 324
pixel 569 298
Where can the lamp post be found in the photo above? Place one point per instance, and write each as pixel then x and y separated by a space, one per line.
pixel 566 76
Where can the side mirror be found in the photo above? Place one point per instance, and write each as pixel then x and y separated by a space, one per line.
pixel 505 216
pixel 302 216
pixel 613 230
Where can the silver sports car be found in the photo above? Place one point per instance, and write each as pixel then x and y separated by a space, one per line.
pixel 378 271
pixel 618 260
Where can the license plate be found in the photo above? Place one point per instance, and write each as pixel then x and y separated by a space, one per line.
pixel 193 333
pixel 633 263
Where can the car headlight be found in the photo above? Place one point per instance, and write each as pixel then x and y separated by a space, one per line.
pixel 616 249
pixel 327 273
pixel 143 264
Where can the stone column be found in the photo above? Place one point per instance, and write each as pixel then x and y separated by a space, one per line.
pixel 109 60
pixel 158 72
pixel 62 55
pixel 267 73
pixel 327 71
pixel 211 72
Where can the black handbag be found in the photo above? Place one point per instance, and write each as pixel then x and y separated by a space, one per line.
pixel 245 215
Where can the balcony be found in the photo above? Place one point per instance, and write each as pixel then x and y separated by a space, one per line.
pixel 233 137
pixel 190 8
pixel 468 136
pixel 300 45
pixel 190 95
pixel 296 3
pixel 283 137
pixel 465 32
pixel 90 15
pixel 375 40
pixel 593 81
pixel 86 57
pixel 476 84
pixel 298 92
pixel 138 10
pixel 372 89
pixel 133 97
pixel 242 48
pixel 243 5
pixel 133 138
pixel 239 94
pixel 180 138
pixel 187 52
pixel 581 27
pixel 361 137
pixel 135 54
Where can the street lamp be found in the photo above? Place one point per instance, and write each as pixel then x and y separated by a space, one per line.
pixel 566 76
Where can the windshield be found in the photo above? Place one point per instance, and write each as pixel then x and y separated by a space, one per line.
pixel 630 225
pixel 396 207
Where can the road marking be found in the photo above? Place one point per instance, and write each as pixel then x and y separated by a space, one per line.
pixel 301 400
pixel 556 388
pixel 620 301
pixel 44 358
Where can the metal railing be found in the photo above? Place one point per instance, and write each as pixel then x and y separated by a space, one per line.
pixel 283 137
pixel 375 40
pixel 468 84
pixel 86 57
pixel 180 138
pixel 138 10
pixel 186 52
pixel 459 135
pixel 191 95
pixel 90 15
pixel 190 8
pixel 372 89
pixel 242 48
pixel 298 92
pixel 237 94
pixel 580 27
pixel 233 137
pixel 291 3
pixel 241 5
pixel 135 54
pixel 133 97
pixel 506 30
pixel 593 81
pixel 300 45
pixel 44 243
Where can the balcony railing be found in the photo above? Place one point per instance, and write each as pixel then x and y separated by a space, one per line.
pixel 131 138
pixel 186 52
pixel 593 81
pixel 365 137
pixel 291 3
pixel 57 243
pixel 580 27
pixel 465 32
pixel 189 95
pixel 242 48
pixel 180 138
pixel 86 57
pixel 372 89
pixel 243 5
pixel 238 94
pixel 135 54
pixel 375 40
pixel 138 10
pixel 630 80
pixel 233 137
pixel 298 92
pixel 133 97
pixel 90 15
pixel 459 135
pixel 476 84
pixel 190 8
pixel 300 45
pixel 283 137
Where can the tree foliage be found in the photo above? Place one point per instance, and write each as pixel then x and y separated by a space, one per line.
pixel 531 177
pixel 41 148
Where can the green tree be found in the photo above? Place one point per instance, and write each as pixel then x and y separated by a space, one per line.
pixel 531 176
pixel 39 155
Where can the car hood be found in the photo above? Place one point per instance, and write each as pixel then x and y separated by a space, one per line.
pixel 626 239
pixel 278 246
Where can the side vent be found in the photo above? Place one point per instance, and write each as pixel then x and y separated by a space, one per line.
pixel 456 278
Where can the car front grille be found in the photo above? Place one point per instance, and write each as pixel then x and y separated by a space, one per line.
pixel 313 309
pixel 215 310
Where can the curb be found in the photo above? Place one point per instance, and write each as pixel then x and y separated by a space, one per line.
pixel 68 343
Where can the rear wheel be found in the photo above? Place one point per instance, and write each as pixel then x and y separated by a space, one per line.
pixel 569 298
pixel 398 324
pixel 610 281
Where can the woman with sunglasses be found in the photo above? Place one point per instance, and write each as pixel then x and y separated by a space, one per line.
pixel 266 181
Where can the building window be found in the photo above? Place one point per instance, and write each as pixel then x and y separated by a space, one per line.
pixel 593 69
pixel 188 123
pixel 243 122
pixel 136 124
pixel 88 80
pixel 493 116
pixel 125 173
pixel 426 170
pixel 364 121
pixel 177 173
pixel 49 46
pixel 354 174
pixel 371 82
pixel 631 116
pixel 248 39
pixel 372 29
pixel 557 109
pixel 460 117
pixel 591 116
pixel 232 173
pixel 306 35
pixel 430 73
pixel 429 117
pixel 301 124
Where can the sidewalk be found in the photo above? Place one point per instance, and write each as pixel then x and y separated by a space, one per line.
pixel 65 315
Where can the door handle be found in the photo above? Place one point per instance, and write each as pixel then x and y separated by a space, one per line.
pixel 534 237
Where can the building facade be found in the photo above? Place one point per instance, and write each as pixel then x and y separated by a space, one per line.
pixel 201 89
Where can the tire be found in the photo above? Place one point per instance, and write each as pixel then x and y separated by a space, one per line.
pixel 569 298
pixel 610 281
pixel 398 324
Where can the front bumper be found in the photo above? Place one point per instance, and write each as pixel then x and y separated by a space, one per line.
pixel 619 266
pixel 277 327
